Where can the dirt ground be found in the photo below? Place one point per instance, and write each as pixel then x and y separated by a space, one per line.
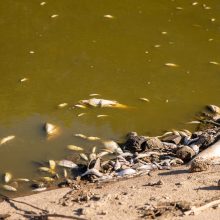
pixel 167 194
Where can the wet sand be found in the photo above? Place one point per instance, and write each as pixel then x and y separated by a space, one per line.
pixel 124 199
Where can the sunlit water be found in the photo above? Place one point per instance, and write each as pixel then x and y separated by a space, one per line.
pixel 69 49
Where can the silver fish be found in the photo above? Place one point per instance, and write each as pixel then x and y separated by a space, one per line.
pixel 125 172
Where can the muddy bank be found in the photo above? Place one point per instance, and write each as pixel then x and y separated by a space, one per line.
pixel 164 194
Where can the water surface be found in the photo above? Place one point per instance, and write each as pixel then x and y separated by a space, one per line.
pixel 81 51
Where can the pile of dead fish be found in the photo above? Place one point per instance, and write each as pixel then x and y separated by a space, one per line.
pixel 138 155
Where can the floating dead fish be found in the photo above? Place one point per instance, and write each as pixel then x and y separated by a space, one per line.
pixel 54 16
pixel 47 179
pixel 67 164
pixel 92 172
pixel 171 64
pixel 103 103
pixel 193 122
pixel 102 116
pixel 7 139
pixel 75 148
pixel 214 63
pixel 94 94
pixel 22 180
pixel 41 189
pixel 84 157
pixel 144 99
pixel 214 109
pixel 80 135
pixel 50 129
pixel 126 172
pixel 9 188
pixel 91 138
pixel 7 177
pixel 46 169
pixel 43 3
pixel 62 105
pixel 108 16
pixel 80 106
pixel 94 149
pixel 81 114
pixel 52 164
pixel 23 79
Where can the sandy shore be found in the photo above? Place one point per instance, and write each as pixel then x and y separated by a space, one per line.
pixel 125 199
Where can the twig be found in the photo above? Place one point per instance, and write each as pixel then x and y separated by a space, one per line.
pixel 196 211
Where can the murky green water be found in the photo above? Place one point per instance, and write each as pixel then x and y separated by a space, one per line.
pixel 79 52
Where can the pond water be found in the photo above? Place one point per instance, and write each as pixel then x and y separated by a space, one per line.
pixel 69 49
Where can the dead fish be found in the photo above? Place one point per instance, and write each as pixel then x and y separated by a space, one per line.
pixel 144 99
pixel 97 164
pixel 84 157
pixel 22 180
pixel 46 169
pixel 52 164
pixel 54 16
pixel 117 165
pixel 126 172
pixel 50 129
pixel 108 16
pixel 91 138
pixel 171 64
pixel 7 177
pixel 92 171
pixel 193 122
pixel 102 116
pixel 65 174
pixel 102 154
pixel 23 79
pixel 9 188
pixel 212 153
pixel 214 62
pixel 142 155
pixel 214 109
pixel 112 146
pixel 39 189
pixel 80 135
pixel 47 179
pixel 7 139
pixel 62 105
pixel 147 167
pixel 80 106
pixel 94 94
pixel 103 103
pixel 43 3
pixel 75 148
pixel 81 114
pixel 92 156
pixel 94 149
pixel 67 164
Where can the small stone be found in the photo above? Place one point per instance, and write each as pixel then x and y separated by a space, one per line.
pixel 185 153
pixel 199 165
